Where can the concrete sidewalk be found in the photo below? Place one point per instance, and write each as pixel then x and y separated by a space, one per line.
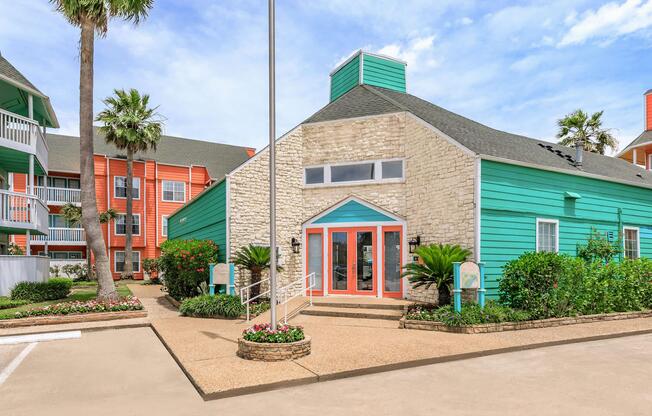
pixel 341 347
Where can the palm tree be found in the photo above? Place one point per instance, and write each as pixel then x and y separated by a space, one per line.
pixel 129 124
pixel 435 267
pixel 256 259
pixel 578 128
pixel 73 214
pixel 92 16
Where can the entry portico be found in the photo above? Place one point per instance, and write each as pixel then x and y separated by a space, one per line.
pixel 355 248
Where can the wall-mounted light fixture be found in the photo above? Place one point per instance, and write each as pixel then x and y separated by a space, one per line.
pixel 414 243
pixel 296 245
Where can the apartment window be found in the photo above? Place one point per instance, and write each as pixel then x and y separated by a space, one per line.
pixel 58 221
pixel 121 225
pixel 547 238
pixel 631 241
pixel 120 261
pixel 358 172
pixel 58 182
pixel 174 191
pixel 63 255
pixel 120 187
pixel 164 225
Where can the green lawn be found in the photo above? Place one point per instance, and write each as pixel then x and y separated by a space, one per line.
pixel 83 292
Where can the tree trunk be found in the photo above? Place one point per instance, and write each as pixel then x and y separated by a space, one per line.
pixel 255 278
pixel 443 295
pixel 129 221
pixel 90 217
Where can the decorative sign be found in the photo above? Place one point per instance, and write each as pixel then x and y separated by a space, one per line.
pixel 221 274
pixel 469 275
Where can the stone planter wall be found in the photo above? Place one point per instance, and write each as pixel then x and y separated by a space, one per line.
pixel 512 326
pixel 72 318
pixel 261 351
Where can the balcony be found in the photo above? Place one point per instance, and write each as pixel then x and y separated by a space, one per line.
pixel 59 196
pixel 17 269
pixel 62 236
pixel 19 138
pixel 20 213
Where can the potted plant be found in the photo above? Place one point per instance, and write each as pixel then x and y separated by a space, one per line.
pixel 435 267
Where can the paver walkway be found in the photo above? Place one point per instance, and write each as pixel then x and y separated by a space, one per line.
pixel 206 348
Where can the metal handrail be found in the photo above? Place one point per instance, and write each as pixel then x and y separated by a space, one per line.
pixel 285 290
pixel 247 290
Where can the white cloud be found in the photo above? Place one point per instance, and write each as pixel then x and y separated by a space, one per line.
pixel 609 21
pixel 413 52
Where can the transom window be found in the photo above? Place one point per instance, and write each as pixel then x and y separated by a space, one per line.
pixel 631 242
pixel 120 187
pixel 120 261
pixel 174 191
pixel 121 224
pixel 356 172
pixel 547 238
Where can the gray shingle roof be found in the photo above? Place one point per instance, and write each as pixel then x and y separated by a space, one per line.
pixel 645 137
pixel 367 100
pixel 9 71
pixel 218 158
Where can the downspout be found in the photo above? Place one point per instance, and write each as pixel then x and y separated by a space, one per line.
pixel 156 204
pixel 478 208
pixel 620 234
pixel 227 245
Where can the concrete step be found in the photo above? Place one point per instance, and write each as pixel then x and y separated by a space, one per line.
pixel 349 312
pixel 354 304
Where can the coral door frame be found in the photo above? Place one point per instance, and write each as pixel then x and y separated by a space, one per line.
pixel 352 269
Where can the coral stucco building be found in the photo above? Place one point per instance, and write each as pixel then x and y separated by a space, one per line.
pixel 163 181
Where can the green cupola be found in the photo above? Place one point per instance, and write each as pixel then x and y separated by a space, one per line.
pixel 369 69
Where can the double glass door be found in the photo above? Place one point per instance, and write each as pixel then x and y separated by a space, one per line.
pixel 352 261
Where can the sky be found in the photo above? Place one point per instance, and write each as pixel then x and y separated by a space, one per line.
pixel 515 66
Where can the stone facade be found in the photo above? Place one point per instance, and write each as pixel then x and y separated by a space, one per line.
pixel 260 351
pixel 436 198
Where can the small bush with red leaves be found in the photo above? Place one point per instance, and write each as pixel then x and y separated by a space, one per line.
pixel 185 265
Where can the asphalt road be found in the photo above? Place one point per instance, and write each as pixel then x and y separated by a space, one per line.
pixel 128 372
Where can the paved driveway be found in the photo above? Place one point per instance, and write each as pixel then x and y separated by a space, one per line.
pixel 128 372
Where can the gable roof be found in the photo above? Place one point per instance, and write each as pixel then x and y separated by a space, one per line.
pixel 218 158
pixel 643 138
pixel 368 100
pixel 9 72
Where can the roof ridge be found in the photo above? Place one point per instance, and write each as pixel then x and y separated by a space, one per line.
pixel 386 98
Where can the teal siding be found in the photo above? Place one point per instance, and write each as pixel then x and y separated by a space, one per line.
pixel 383 73
pixel 204 218
pixel 353 211
pixel 345 78
pixel 513 197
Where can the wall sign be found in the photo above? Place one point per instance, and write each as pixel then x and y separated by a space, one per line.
pixel 469 275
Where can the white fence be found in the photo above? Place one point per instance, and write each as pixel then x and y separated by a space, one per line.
pixel 67 236
pixel 15 269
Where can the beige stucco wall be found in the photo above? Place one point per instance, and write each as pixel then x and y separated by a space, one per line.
pixel 436 197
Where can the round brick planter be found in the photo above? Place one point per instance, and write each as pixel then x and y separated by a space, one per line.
pixel 263 351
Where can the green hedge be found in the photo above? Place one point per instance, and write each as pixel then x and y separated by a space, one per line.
pixel 6 303
pixel 218 306
pixel 56 288
pixel 184 264
pixel 550 285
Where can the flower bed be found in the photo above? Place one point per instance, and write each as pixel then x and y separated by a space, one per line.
pixel 128 303
pixel 471 314
pixel 261 343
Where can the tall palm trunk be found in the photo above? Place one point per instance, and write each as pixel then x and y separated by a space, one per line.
pixel 90 217
pixel 129 221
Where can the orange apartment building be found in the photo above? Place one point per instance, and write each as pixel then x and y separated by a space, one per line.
pixel 163 181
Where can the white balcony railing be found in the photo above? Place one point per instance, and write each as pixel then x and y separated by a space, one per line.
pixel 23 211
pixel 24 135
pixel 59 196
pixel 60 235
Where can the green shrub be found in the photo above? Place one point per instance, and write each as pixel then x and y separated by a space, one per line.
pixel 598 248
pixel 264 333
pixel 206 306
pixel 6 303
pixel 184 264
pixel 56 288
pixel 471 314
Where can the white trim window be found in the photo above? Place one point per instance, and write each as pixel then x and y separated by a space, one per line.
pixel 164 225
pixel 119 261
pixel 173 191
pixel 120 187
pixel 547 235
pixel 120 223
pixel 631 242
pixel 353 173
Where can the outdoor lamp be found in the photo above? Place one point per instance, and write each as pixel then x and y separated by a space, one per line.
pixel 296 245
pixel 414 243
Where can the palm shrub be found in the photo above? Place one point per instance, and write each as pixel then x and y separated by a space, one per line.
pixel 185 264
pixel 256 259
pixel 435 267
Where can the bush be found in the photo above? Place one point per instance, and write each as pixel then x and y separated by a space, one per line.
pixel 206 306
pixel 76 272
pixel 185 265
pixel 57 288
pixel 598 248
pixel 264 333
pixel 471 314
pixel 6 303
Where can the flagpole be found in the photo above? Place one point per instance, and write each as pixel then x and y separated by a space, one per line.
pixel 272 165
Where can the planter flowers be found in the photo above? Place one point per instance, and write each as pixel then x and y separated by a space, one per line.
pixel 128 303
pixel 261 343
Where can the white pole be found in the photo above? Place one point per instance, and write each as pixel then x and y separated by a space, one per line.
pixel 272 166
